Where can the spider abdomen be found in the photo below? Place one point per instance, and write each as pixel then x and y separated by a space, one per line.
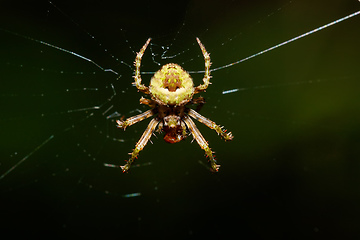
pixel 172 85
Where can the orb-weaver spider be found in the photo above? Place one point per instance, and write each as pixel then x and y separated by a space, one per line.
pixel 171 90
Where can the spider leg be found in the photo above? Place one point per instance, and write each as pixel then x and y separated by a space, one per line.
pixel 141 143
pixel 134 119
pixel 200 101
pixel 202 142
pixel 160 127
pixel 226 135
pixel 137 65
pixel 206 79
pixel 149 102
pixel 183 126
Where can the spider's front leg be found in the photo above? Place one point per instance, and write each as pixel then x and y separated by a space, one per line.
pixel 202 142
pixel 141 143
pixel 134 119
pixel 226 135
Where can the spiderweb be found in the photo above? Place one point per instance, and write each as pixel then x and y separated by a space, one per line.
pixel 285 82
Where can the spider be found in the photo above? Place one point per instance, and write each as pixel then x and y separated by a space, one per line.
pixel 171 91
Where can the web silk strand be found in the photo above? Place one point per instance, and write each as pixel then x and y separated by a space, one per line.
pixel 289 41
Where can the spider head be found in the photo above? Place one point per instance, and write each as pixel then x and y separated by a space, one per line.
pixel 171 121
pixel 173 129
pixel 171 85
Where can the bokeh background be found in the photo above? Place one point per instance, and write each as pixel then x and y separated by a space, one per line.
pixel 291 172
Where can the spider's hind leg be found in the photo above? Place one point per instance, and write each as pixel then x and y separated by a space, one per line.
pixel 206 79
pixel 137 65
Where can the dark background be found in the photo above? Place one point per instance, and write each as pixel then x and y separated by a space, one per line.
pixel 291 172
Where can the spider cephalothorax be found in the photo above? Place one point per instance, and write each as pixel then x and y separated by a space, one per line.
pixel 171 90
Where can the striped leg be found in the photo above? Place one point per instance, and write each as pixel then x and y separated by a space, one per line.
pixel 137 65
pixel 202 142
pixel 141 144
pixel 134 119
pixel 206 79
pixel 227 136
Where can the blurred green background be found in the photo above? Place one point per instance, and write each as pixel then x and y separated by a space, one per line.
pixel 292 171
